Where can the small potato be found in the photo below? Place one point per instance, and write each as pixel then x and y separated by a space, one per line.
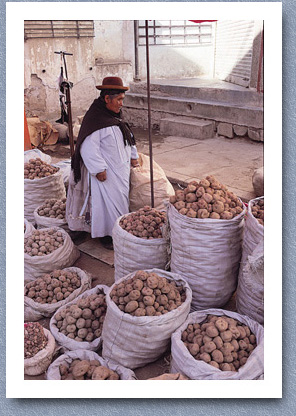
pixel 194 349
pixel 210 346
pixel 221 324
pixel 205 357
pixel 131 306
pixel 214 364
pixel 71 328
pixel 225 367
pixel 179 205
pixel 226 335
pixel 212 331
pixel 82 332
pixel 217 356
pixel 80 368
pixel 80 323
pixel 203 213
pixel 242 331
pixel 191 197
pixel 134 295
pixel 243 361
pixel 100 373
pixel 218 207
pixel 242 344
pixel 86 313
pixel 63 369
pixel 235 344
pixel 140 312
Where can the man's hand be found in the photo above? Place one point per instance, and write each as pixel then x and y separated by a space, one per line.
pixel 135 163
pixel 102 176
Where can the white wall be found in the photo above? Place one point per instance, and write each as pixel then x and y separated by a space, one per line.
pixel 110 52
pixel 177 61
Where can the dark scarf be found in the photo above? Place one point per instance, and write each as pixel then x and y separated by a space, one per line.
pixel 96 118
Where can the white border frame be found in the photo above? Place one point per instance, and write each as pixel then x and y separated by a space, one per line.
pixel 271 13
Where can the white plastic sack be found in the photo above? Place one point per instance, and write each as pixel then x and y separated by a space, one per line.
pixel 133 253
pixel 46 222
pixel 253 233
pixel 136 341
pixel 183 362
pixel 68 343
pixel 34 154
pixel 65 166
pixel 60 258
pixel 36 191
pixel 29 228
pixel 250 290
pixel 53 372
pixel 140 185
pixel 207 253
pixel 35 310
pixel 40 362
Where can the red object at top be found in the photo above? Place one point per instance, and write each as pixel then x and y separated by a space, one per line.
pixel 200 21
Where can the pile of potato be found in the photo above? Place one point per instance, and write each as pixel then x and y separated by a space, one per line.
pixel 83 321
pixel 144 223
pixel 147 294
pixel 53 287
pixel 207 199
pixel 86 370
pixel 35 339
pixel 43 242
pixel 53 208
pixel 258 211
pixel 37 168
pixel 220 341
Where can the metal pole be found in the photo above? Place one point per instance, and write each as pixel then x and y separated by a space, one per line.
pixel 70 126
pixel 68 101
pixel 136 39
pixel 149 113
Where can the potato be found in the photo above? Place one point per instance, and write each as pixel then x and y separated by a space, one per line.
pixel 221 324
pixel 212 331
pixel 217 356
pixel 226 335
pixel 210 346
pixel 131 306
pixel 100 373
pixel 205 357
pixel 80 368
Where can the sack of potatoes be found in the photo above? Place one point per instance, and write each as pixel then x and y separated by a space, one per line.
pixel 79 324
pixel 207 198
pixel 86 365
pixel 217 344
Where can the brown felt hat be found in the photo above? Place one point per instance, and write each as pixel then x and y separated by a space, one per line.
pixel 112 83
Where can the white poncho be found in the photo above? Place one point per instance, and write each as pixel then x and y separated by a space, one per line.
pixel 105 149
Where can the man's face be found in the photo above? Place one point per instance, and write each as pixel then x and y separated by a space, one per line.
pixel 114 103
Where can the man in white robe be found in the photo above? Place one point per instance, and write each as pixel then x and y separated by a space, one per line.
pixel 105 152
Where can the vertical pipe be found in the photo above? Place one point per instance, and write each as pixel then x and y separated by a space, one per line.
pixel 260 63
pixel 70 125
pixel 136 39
pixel 149 113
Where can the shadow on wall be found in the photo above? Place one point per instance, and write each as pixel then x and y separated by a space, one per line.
pixel 246 70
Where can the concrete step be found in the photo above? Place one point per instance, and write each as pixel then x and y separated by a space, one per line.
pixel 187 127
pixel 233 113
pixel 206 90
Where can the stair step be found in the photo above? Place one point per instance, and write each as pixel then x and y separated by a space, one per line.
pixel 231 94
pixel 239 114
pixel 187 127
